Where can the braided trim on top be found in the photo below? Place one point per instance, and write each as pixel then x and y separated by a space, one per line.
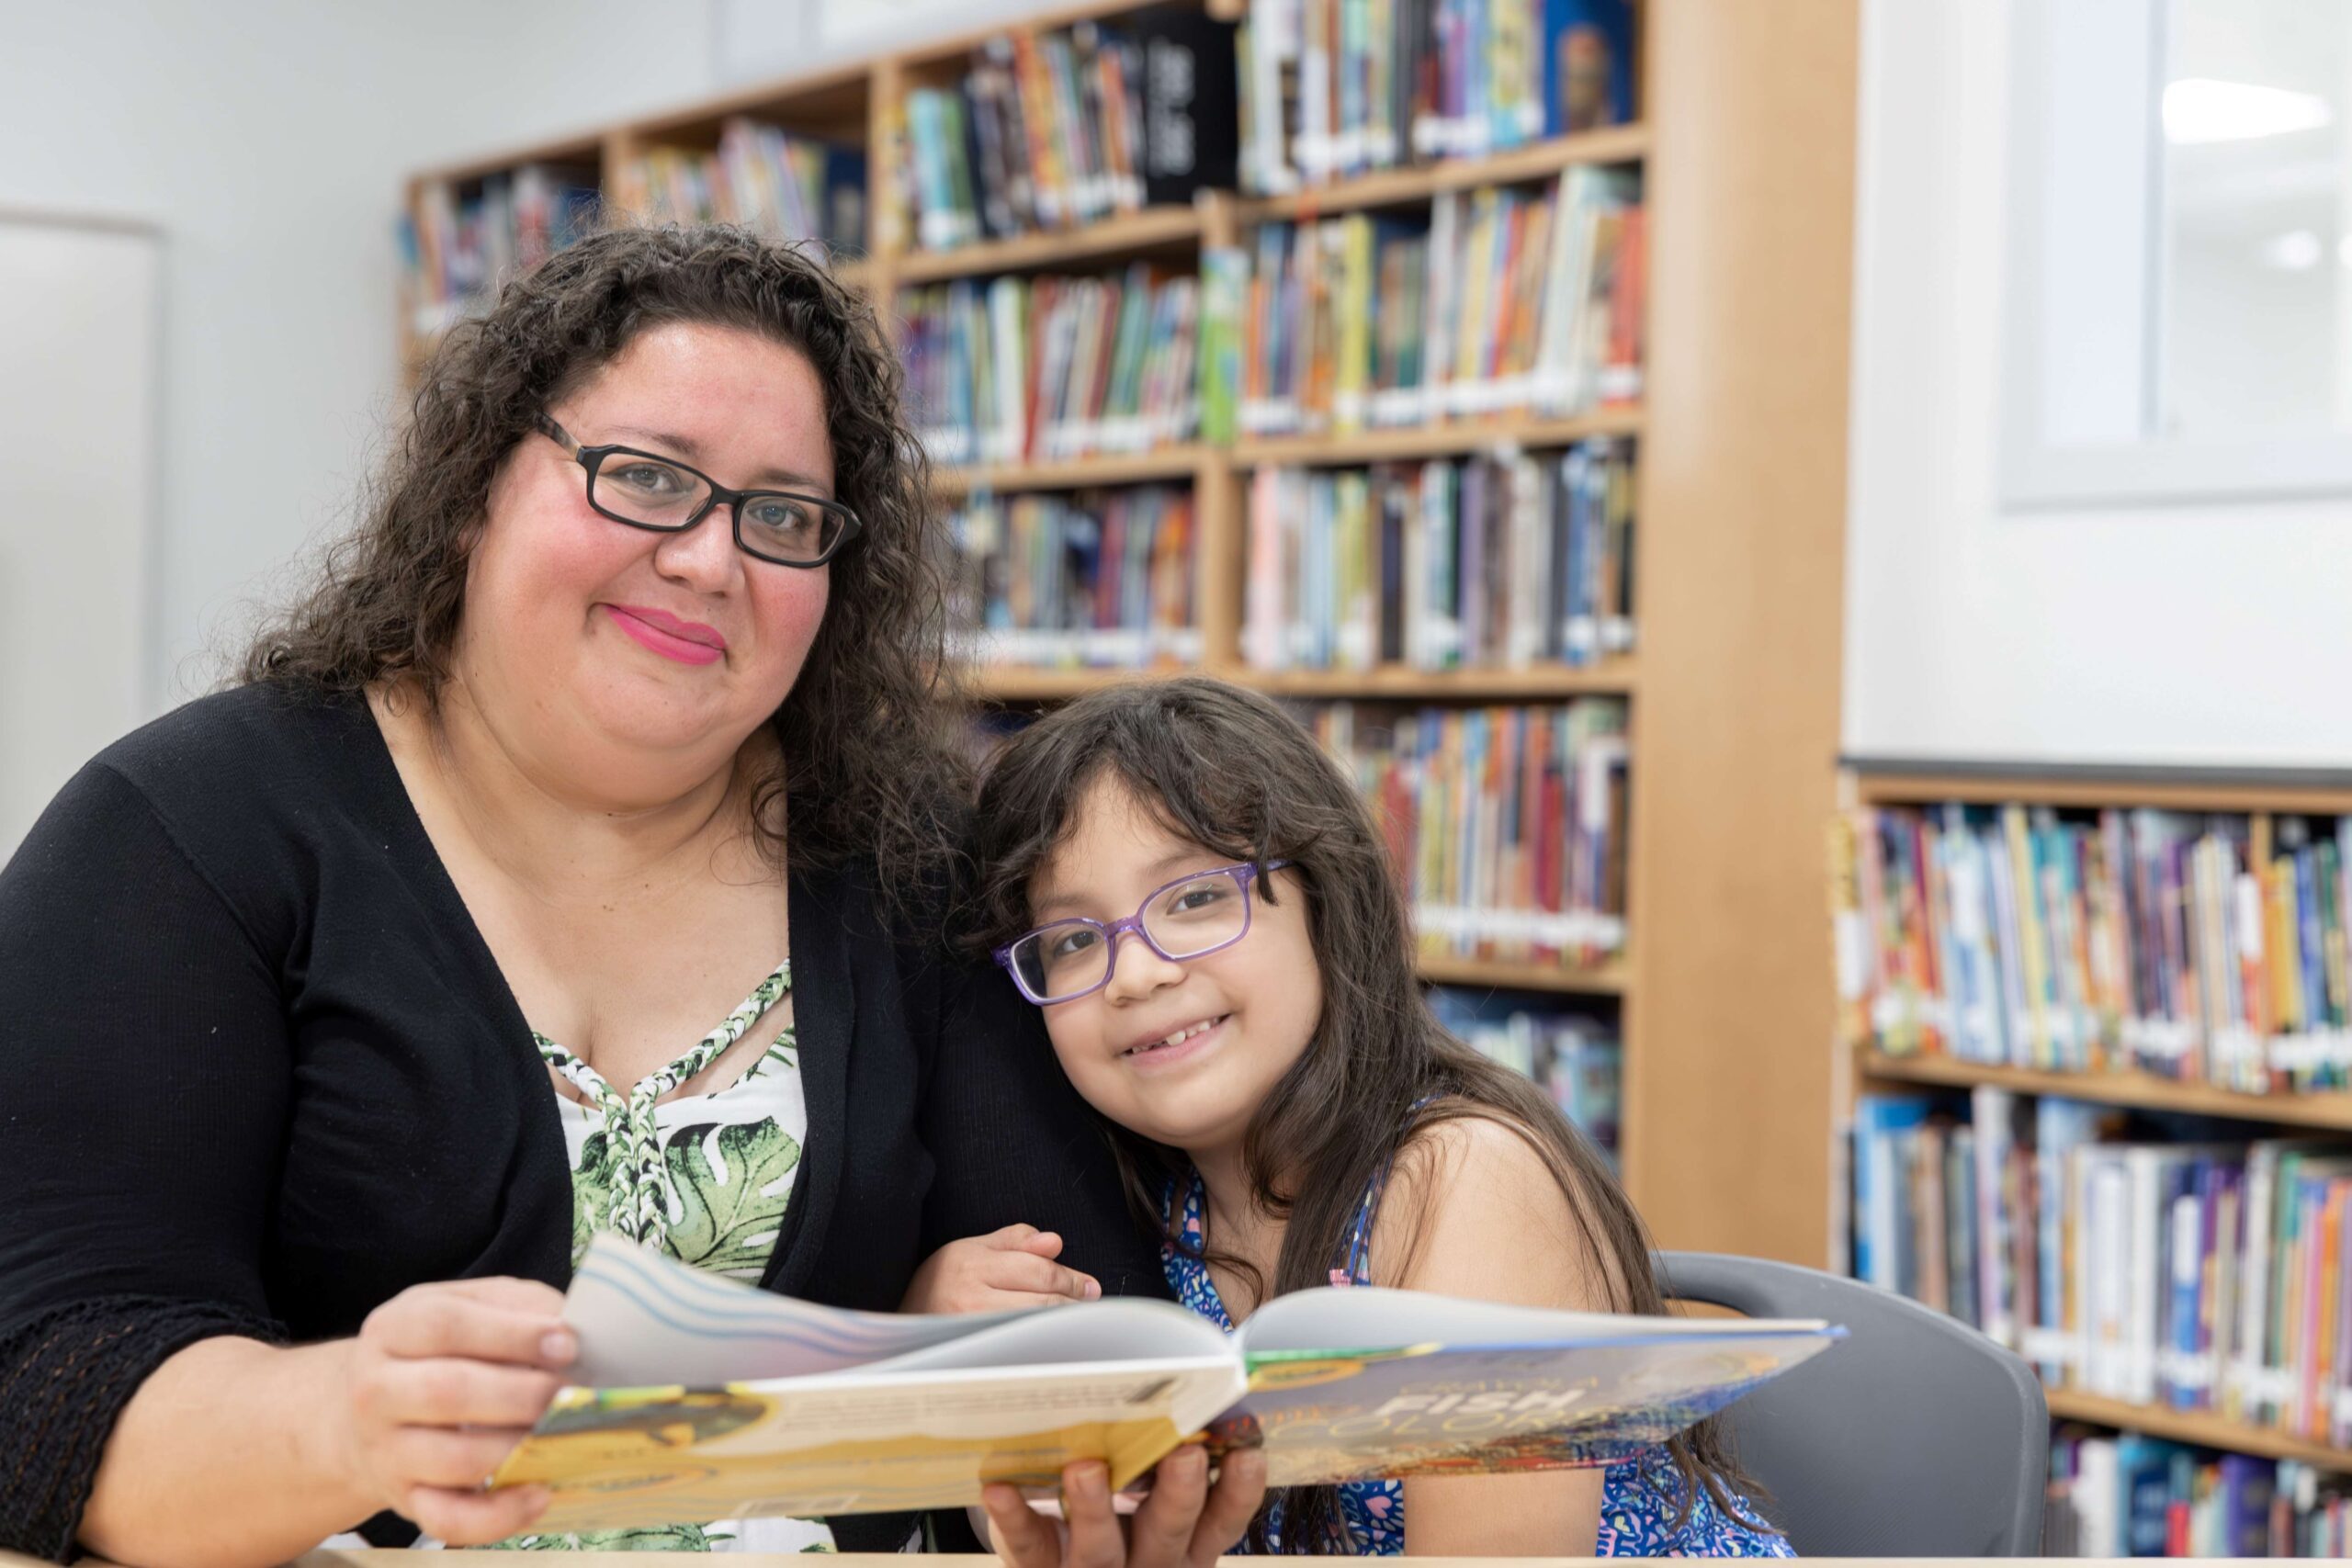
pixel 65 1375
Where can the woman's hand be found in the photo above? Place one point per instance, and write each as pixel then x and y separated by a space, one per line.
pixel 1011 1268
pixel 1184 1523
pixel 442 1382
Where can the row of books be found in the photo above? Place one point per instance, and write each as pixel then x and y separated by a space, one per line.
pixel 2132 1496
pixel 1508 824
pixel 457 246
pixel 1088 577
pixel 1331 88
pixel 1047 131
pixel 1043 368
pixel 784 186
pixel 1491 562
pixel 1504 301
pixel 2085 941
pixel 1575 1058
pixel 2202 1275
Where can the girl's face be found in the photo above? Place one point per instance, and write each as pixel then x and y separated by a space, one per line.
pixel 642 659
pixel 1260 998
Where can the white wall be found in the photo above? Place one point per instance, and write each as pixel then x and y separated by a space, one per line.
pixel 2217 635
pixel 268 139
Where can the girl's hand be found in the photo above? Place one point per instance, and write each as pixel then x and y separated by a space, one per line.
pixel 1011 1268
pixel 442 1382
pixel 1184 1523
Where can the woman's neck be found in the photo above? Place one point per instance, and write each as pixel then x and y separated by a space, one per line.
pixel 552 834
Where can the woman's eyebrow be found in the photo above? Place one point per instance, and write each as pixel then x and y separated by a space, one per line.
pixel 691 450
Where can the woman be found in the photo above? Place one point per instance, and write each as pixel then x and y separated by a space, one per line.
pixel 344 1005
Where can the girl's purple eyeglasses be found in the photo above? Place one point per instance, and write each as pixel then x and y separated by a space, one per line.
pixel 1190 917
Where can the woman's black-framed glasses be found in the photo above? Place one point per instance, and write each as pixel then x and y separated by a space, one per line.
pixel 1190 917
pixel 646 491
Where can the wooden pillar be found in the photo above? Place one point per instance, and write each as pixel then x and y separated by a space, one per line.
pixel 1753 108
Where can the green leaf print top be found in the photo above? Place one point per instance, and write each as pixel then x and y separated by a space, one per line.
pixel 705 1178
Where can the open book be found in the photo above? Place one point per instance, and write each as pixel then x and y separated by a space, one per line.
pixel 700 1398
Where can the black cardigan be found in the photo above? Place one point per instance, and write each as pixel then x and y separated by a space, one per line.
pixel 259 1073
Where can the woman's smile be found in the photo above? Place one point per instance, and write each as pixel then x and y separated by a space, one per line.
pixel 688 642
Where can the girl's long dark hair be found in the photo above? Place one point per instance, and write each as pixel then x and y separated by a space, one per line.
pixel 876 778
pixel 1228 770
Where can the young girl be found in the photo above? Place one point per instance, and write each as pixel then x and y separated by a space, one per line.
pixel 1200 902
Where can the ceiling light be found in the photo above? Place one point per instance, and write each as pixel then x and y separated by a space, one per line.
pixel 2198 109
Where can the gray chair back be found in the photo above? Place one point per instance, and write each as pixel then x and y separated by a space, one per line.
pixel 1917 1437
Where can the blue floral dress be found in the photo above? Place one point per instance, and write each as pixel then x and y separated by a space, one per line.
pixel 1638 1497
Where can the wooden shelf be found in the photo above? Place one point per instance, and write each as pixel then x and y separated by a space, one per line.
pixel 2194 1426
pixel 1610 977
pixel 2330 1109
pixel 1020 683
pixel 1136 233
pixel 1433 440
pixel 2318 792
pixel 1414 186
pixel 1612 676
pixel 1075 473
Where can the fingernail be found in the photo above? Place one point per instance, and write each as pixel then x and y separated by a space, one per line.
pixel 559 1345
pixel 1093 1290
pixel 1093 1482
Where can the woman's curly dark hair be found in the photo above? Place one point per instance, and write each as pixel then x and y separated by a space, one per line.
pixel 873 777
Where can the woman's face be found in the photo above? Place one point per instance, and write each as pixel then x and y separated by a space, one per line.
pixel 637 662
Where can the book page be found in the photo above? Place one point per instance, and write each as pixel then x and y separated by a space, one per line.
pixel 1369 1318
pixel 644 1319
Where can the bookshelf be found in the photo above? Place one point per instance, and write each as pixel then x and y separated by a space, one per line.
pixel 1745 164
pixel 2251 803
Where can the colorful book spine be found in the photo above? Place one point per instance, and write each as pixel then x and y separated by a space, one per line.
pixel 1505 301
pixel 796 190
pixel 2092 942
pixel 1359 564
pixel 2202 1277
pixel 1574 1056
pixel 1052 130
pixel 464 241
pixel 1021 369
pixel 2132 1495
pixel 1335 88
pixel 1508 824
pixel 1099 579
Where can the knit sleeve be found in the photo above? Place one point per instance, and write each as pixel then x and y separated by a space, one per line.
pixel 64 1375
pixel 144 1089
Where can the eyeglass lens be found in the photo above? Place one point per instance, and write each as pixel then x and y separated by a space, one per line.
pixel 662 495
pixel 1191 918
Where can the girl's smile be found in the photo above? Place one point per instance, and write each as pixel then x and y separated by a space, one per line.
pixel 1182 1051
